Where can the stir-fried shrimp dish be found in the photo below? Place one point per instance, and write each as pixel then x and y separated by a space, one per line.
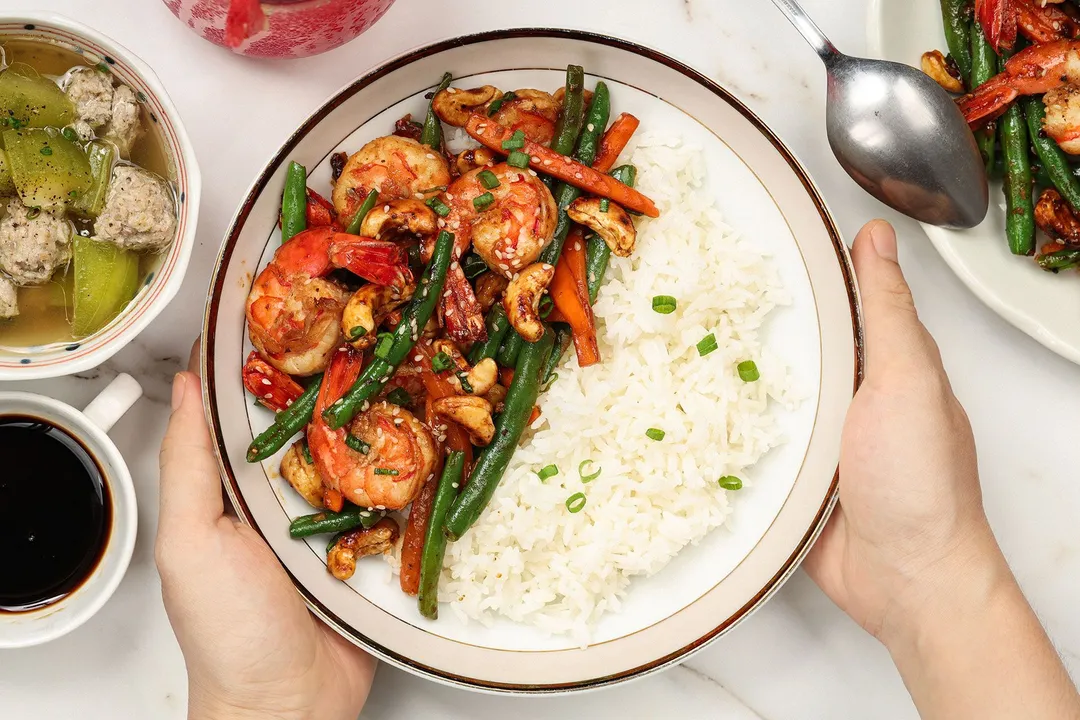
pixel 1016 66
pixel 404 330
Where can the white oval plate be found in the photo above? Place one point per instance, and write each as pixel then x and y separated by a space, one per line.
pixel 1045 306
pixel 707 589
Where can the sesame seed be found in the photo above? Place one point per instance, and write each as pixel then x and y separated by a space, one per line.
pixel 547 161
pixel 268 396
pixel 577 246
pixel 386 208
pixel 451 90
pixel 504 266
pixel 449 311
pixel 449 196
pixel 417 358
pixel 419 196
pixel 455 485
pixel 481 128
pixel 266 382
pixel 532 172
pixel 447 294
pixel 442 223
pixel 429 156
pixel 380 507
pixel 577 175
pixel 535 158
pixel 590 127
pixel 455 265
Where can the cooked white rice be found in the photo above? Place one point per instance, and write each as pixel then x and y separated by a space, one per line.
pixel 528 557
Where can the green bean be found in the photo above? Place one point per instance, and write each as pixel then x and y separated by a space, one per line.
pixel 510 349
pixel 564 337
pixel 596 121
pixel 956 17
pixel 473 266
pixel 358 219
pixel 323 523
pixel 431 559
pixel 1050 155
pixel 984 65
pixel 597 253
pixel 413 319
pixel 1019 213
pixel 1059 260
pixel 431 135
pixel 492 462
pixel 568 126
pixel 497 326
pixel 294 202
pixel 287 423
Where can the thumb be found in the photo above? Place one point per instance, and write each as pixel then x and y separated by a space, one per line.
pixel 190 483
pixel 896 339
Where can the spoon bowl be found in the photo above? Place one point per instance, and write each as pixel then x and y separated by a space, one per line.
pixel 902 138
pixel 898 134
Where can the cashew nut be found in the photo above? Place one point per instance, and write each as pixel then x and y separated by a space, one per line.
pixel 399 217
pixel 489 289
pixel 302 475
pixel 470 412
pixel 479 379
pixel 937 67
pixel 1055 218
pixel 355 544
pixel 369 308
pixel 453 105
pixel 560 95
pixel 522 300
pixel 615 226
pixel 474 158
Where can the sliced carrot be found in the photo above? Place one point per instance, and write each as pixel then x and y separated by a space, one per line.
pixel 412 546
pixel 535 414
pixel 560 166
pixel 333 500
pixel 615 141
pixel 506 376
pixel 570 292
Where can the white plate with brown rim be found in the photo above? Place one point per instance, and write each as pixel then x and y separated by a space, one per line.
pixel 763 192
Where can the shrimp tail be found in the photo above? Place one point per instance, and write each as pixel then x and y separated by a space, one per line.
pixel 998 21
pixel 461 312
pixel 379 261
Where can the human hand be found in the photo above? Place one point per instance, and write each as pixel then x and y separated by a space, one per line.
pixel 251 647
pixel 910 524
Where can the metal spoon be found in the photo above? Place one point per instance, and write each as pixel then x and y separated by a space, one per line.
pixel 899 134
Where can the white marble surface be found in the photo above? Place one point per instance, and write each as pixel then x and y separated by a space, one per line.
pixel 799 657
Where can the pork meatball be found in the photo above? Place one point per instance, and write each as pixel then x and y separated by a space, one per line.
pixel 9 300
pixel 33 243
pixel 124 128
pixel 91 91
pixel 140 213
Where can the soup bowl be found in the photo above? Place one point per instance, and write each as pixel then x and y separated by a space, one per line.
pixel 164 272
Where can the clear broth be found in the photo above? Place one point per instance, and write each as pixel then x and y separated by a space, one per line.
pixel 45 311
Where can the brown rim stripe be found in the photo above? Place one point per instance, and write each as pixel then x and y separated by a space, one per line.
pixel 228 247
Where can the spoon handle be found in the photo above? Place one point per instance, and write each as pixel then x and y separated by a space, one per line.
pixel 809 29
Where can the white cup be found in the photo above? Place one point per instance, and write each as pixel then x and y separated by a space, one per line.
pixel 89 427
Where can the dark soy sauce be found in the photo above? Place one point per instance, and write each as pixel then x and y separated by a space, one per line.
pixel 55 514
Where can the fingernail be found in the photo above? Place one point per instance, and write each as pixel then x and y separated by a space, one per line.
pixel 884 238
pixel 179 381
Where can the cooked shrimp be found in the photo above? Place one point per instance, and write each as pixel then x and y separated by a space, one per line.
pixel 1053 69
pixel 534 112
pixel 294 311
pixel 396 453
pixel 511 232
pixel 395 166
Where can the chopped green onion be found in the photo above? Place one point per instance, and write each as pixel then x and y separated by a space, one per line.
pixel 102 67
pixel 357 332
pixel 748 371
pixel 707 345
pixel 498 102
pixel 437 188
pixel 357 444
pixel 518 159
pixel 655 434
pixel 591 476
pixel 463 378
pixel 483 202
pixel 70 134
pixel 548 471
pixel 664 304
pixel 307 453
pixel 46 150
pixel 399 396
pixel 546 306
pixel 441 209
pixel 473 266
pixel 730 482
pixel 33 213
pixel 382 347
pixel 605 205
pixel 386 471
pixel 516 141
pixel 488 179
pixel 441 362
pixel 576 502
